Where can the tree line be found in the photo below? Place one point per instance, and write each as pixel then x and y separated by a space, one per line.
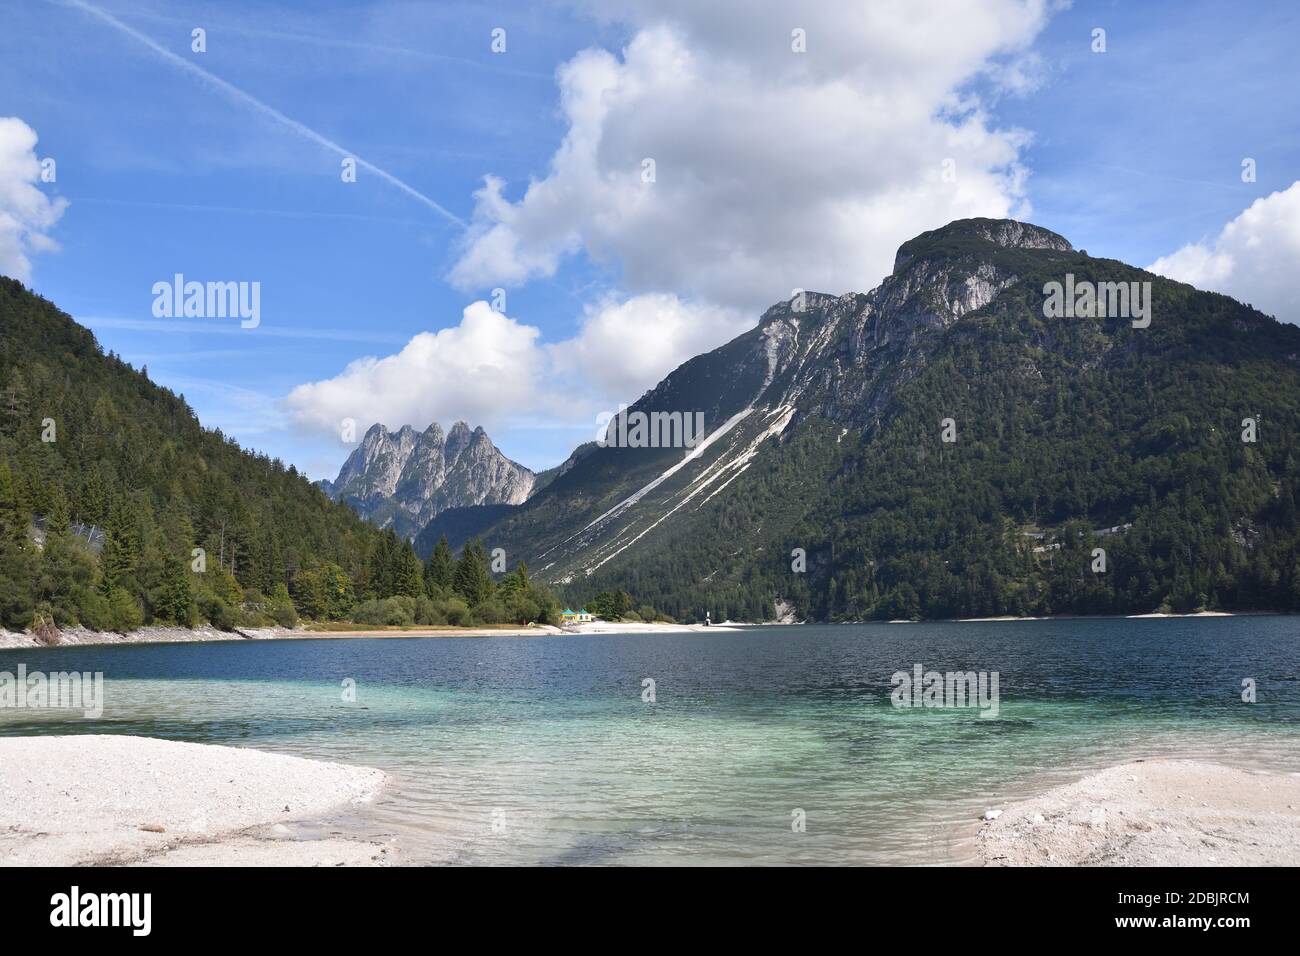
pixel 118 509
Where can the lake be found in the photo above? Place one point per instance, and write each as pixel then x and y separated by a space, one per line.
pixel 543 750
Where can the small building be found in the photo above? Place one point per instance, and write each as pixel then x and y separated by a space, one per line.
pixel 570 616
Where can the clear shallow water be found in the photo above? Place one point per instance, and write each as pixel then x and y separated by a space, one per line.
pixel 549 739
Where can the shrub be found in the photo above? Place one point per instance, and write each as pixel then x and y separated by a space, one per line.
pixel 393 611
pixel 280 607
pixel 93 610
pixel 124 611
pixel 43 627
pixel 427 612
pixel 455 611
pixel 219 614
pixel 491 611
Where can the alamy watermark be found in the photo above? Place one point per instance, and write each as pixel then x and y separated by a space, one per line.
pixel 1085 299
pixel 130 910
pixel 624 429
pixel 59 691
pixel 922 688
pixel 208 300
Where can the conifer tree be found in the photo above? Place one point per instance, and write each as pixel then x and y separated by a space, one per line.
pixel 438 570
pixel 516 582
pixel 471 579
pixel 121 554
pixel 409 575
pixel 177 599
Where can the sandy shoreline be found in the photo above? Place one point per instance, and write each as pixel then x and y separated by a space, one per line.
pixel 108 800
pixel 79 637
pixel 1162 812
pixel 74 637
pixel 119 800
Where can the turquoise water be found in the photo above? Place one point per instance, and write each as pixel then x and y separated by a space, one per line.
pixel 541 750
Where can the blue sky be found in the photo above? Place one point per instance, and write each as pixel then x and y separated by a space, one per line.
pixel 1135 154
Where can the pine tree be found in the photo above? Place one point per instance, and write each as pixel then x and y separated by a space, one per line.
pixel 471 579
pixel 384 565
pixel 15 401
pixel 57 519
pixel 17 558
pixel 408 577
pixel 439 569
pixel 177 599
pixel 517 581
pixel 121 554
pixel 91 505
pixel 13 520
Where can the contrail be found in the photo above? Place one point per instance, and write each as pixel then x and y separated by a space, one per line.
pixel 248 99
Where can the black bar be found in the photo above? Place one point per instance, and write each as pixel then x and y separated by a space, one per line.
pixel 334 905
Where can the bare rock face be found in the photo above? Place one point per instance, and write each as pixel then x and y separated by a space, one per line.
pixel 404 478
pixel 844 357
pixel 376 466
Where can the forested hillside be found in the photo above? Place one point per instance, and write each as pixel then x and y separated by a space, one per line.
pixel 1062 428
pixel 108 484
pixel 936 447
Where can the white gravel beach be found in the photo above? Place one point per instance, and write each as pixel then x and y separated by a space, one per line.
pixel 1152 813
pixel 119 800
pixel 77 636
pixel 73 637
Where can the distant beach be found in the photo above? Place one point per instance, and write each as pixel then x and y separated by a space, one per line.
pixel 185 635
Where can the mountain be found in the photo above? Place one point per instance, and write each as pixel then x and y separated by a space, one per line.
pixel 405 478
pixel 108 484
pixel 824 481
pixel 459 526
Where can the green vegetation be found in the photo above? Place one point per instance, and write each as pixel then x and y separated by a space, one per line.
pixel 117 509
pixel 618 605
pixel 1063 426
pixel 447 592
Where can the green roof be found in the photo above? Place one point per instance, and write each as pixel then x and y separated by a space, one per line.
pixel 567 611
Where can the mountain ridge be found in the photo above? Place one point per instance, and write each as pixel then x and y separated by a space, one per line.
pixel 824 383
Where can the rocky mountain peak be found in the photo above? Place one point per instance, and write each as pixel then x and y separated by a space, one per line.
pixel 979 238
pixel 405 478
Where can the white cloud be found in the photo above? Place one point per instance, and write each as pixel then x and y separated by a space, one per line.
pixel 26 214
pixel 774 169
pixel 1253 258
pixel 627 346
pixel 481 370
pixel 490 368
